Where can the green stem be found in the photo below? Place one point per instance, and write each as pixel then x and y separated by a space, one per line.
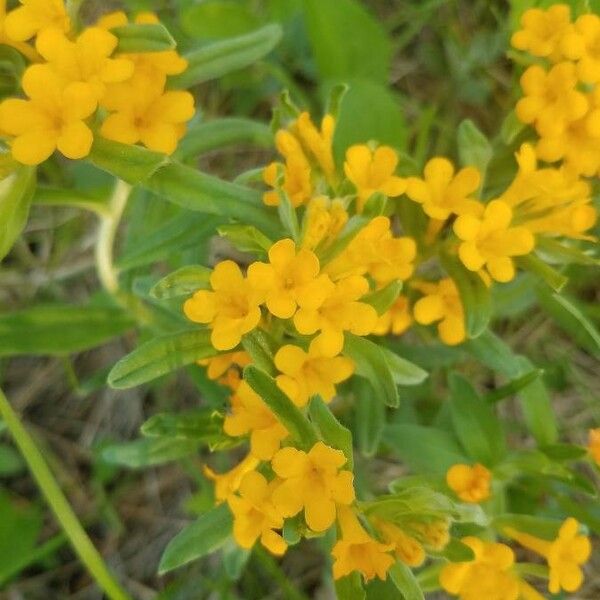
pixel 60 506
pixel 109 225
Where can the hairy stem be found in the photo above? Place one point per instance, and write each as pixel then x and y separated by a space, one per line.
pixel 60 506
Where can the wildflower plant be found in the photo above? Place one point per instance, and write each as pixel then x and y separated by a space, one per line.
pixel 296 335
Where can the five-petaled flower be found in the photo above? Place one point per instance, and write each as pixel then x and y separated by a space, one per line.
pixel 469 483
pixel 34 16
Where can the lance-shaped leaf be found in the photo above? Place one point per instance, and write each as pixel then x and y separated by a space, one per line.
pixel 369 417
pixel 183 282
pixel 474 148
pixel 207 534
pixel 219 58
pixel 383 299
pixel 371 363
pixel 60 329
pixel 331 430
pixel 160 356
pixel 148 452
pixel 138 37
pixel 406 582
pixel 16 192
pixel 350 587
pixel 290 416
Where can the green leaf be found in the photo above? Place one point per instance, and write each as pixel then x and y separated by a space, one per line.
pixel 474 149
pixel 474 295
pixel 246 238
pixel 369 417
pixel 562 452
pixel 371 363
pixel 476 425
pixel 160 356
pixel 132 164
pixel 347 41
pixel 217 19
pixel 569 317
pixel 203 425
pixel 369 111
pixel 285 410
pixel 183 282
pixel 47 196
pixel 383 299
pixel 403 371
pixel 350 587
pixel 564 254
pixel 424 448
pixel 206 535
pixel 16 192
pixel 60 329
pixel 552 277
pixel 220 133
pixel 511 388
pixel 406 582
pixel 219 58
pixel 456 551
pixel 148 452
pixel 136 37
pixel 261 348
pixel 334 434
pixel 539 526
pixel 235 560
pixel 535 400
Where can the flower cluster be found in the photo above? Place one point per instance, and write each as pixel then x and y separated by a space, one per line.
pixel 560 97
pixel 80 83
pixel 346 267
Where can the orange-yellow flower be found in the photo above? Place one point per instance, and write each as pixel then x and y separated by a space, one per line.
pixel 228 483
pixel 565 554
pixel 34 16
pixel 52 118
pixel 442 304
pixel 543 31
pixel 314 482
pixel 582 45
pixel 490 242
pixel 442 192
pixel 373 171
pixel 288 279
pixel 254 515
pixel 306 374
pixel 407 548
pixel 323 221
pixel 396 320
pixel 551 98
pixel 335 310
pixel 250 415
pixel 296 181
pixel 488 576
pixel 231 309
pixel 356 550
pixel 220 364
pixel 594 444
pixel 316 143
pixel 469 483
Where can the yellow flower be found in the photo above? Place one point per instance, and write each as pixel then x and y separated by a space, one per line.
pixel 488 576
pixel 442 192
pixel 441 303
pixel 375 251
pixel 312 481
pixel 85 60
pixel 543 31
pixel 406 548
pixel 594 444
pixel 490 242
pixel 287 279
pixel 582 45
pixel 317 144
pixel 551 98
pixel 231 309
pixel 52 118
pixel 373 171
pixel 306 374
pixel 22 47
pixel 335 310
pixel 296 181
pixel 323 221
pixel 156 119
pixel 356 550
pixel 228 483
pixel 470 484
pixel 249 414
pixel 254 515
pixel 396 320
pixel 34 16
pixel 220 364
pixel 565 555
